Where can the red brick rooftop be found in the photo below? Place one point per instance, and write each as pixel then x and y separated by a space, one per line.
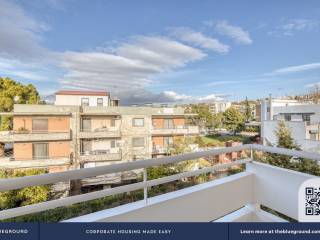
pixel 85 93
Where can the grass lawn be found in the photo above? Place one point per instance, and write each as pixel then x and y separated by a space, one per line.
pixel 219 140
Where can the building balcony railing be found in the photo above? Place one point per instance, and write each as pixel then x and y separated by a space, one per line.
pixel 100 156
pixel 233 198
pixel 176 130
pixel 13 163
pixel 100 133
pixel 28 136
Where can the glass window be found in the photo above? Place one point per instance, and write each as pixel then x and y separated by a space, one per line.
pixel 99 102
pixel 306 117
pixel 113 122
pixel 84 101
pixel 138 142
pixel 40 150
pixel 168 123
pixel 86 146
pixel 113 144
pixel 40 125
pixel 138 122
pixel 287 117
pixel 86 124
pixel 167 141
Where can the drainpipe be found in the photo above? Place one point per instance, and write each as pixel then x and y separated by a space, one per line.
pixel 270 108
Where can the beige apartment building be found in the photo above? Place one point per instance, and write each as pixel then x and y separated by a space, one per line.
pixel 88 129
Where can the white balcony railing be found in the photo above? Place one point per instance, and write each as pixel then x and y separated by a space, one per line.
pixel 100 155
pixel 233 198
pixel 27 136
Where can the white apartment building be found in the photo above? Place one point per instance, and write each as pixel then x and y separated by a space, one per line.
pixel 218 106
pixel 303 119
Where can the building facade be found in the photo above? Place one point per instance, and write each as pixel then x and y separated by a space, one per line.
pixel 62 137
pixel 303 120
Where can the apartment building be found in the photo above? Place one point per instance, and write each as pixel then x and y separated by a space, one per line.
pixel 302 118
pixel 86 129
pixel 218 106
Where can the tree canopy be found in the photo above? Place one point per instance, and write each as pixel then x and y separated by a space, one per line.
pixel 12 92
pixel 233 120
pixel 204 117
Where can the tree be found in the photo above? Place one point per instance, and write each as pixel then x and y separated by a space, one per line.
pixel 12 92
pixel 218 120
pixel 25 196
pixel 247 110
pixel 203 117
pixel 233 120
pixel 285 139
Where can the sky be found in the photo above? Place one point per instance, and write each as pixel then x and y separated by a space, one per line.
pixel 163 51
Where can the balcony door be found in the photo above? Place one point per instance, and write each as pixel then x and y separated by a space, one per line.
pixel 86 124
pixel 40 125
pixel 168 123
pixel 40 151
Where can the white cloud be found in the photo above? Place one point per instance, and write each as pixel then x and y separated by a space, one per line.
pixel 298 68
pixel 218 83
pixel 20 33
pixel 234 32
pixel 199 39
pixel 289 27
pixel 174 96
pixel 313 85
pixel 130 66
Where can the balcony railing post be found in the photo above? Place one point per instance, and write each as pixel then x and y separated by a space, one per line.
pixel 145 188
pixel 251 154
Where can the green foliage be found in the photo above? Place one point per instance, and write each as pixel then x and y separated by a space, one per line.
pixel 283 134
pixel 247 111
pixel 218 120
pixel 25 196
pixel 204 117
pixel 233 120
pixel 13 92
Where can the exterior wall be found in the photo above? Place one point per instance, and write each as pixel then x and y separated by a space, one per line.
pixel 75 100
pixel 179 121
pixel 59 149
pixel 55 124
pixel 158 122
pixel 158 141
pixel 22 151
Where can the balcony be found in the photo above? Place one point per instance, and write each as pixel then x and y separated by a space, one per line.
pixel 99 133
pixel 26 136
pixel 176 130
pixel 233 198
pixel 100 156
pixel 11 163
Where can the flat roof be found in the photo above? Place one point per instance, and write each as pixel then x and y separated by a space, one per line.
pixel 83 93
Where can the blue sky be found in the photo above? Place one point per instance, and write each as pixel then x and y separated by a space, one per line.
pixel 163 51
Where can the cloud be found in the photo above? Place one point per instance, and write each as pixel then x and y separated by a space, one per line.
pixel 313 85
pixel 289 27
pixel 20 33
pixel 234 32
pixel 131 65
pixel 218 83
pixel 199 39
pixel 294 69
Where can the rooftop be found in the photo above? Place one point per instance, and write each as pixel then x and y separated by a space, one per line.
pixel 82 93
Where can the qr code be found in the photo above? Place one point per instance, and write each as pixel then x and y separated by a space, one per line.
pixel 312 200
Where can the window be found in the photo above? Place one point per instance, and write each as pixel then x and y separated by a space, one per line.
pixel 138 122
pixel 113 122
pixel 313 136
pixel 86 124
pixel 306 117
pixel 113 144
pixel 167 141
pixel 40 150
pixel 39 125
pixel 168 123
pixel 86 146
pixel 84 101
pixel 287 117
pixel 138 142
pixel 99 102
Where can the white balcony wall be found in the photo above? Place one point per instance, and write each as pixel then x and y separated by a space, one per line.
pixel 75 100
pixel 102 144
